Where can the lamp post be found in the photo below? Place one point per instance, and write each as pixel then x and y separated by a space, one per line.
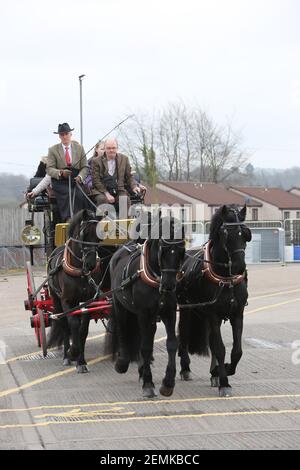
pixel 80 92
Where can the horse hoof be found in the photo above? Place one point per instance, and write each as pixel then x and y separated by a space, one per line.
pixel 121 366
pixel 82 369
pixel 214 382
pixel 186 375
pixel 149 392
pixel 225 392
pixel 67 362
pixel 166 391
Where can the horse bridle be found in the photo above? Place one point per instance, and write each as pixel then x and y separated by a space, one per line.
pixel 224 227
pixel 163 243
pixel 85 247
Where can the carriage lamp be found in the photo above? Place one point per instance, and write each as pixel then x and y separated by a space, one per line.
pixel 31 235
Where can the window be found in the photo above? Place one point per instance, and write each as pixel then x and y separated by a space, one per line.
pixel 298 215
pixel 254 214
pixel 286 215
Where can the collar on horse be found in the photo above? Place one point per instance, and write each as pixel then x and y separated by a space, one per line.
pixel 208 272
pixel 147 275
pixel 71 270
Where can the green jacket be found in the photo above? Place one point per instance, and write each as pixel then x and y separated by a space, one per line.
pixel 56 160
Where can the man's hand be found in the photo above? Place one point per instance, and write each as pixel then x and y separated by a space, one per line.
pixel 109 197
pixel 137 189
pixel 66 173
pixel 78 180
pixel 30 195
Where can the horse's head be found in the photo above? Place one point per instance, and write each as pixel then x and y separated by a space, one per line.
pixel 82 232
pixel 229 236
pixel 171 251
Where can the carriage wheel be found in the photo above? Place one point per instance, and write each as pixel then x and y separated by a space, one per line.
pixel 42 332
pixel 30 291
pixel 39 321
pixel 30 279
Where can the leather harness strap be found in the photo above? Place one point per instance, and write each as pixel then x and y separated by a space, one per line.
pixel 151 279
pixel 211 276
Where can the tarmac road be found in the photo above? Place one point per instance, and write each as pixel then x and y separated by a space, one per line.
pixel 46 406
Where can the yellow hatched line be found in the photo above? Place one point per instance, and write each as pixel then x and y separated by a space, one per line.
pixel 151 402
pixel 154 418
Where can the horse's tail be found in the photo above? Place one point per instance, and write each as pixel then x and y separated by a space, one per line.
pixel 124 333
pixel 194 331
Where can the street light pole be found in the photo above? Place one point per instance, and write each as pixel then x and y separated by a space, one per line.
pixel 80 91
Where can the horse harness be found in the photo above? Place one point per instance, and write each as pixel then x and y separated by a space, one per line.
pixel 145 273
pixel 203 256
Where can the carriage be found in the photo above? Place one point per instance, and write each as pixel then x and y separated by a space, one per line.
pixel 39 301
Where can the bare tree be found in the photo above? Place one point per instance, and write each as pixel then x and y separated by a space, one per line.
pixel 182 143
pixel 138 141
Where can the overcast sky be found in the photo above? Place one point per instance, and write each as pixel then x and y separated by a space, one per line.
pixel 238 59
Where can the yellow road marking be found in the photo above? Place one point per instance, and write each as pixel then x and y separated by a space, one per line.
pixel 152 418
pixel 24 356
pixel 273 294
pixel 5 393
pixel 270 306
pixel 150 402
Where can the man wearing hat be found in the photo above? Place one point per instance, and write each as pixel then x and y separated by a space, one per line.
pixel 67 166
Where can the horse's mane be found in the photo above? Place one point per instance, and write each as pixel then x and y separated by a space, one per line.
pixel 84 214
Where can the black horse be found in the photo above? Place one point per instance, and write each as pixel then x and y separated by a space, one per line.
pixel 143 278
pixel 76 272
pixel 214 288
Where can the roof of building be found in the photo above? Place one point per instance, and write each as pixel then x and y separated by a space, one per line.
pixel 210 193
pixel 157 196
pixel 274 196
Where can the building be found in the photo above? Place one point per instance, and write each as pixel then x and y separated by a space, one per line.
pixel 276 203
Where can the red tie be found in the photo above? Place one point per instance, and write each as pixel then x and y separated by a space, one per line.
pixel 68 158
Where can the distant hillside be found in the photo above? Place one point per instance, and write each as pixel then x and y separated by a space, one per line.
pixel 251 176
pixel 12 188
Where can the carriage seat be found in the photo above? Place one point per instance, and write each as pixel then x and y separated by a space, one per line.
pixel 40 202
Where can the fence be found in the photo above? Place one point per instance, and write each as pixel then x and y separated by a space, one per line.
pixel 12 253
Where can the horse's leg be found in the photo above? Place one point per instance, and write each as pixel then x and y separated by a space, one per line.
pixel 168 382
pixel 183 327
pixel 74 325
pixel 66 360
pixel 148 329
pixel 81 366
pixel 218 349
pixel 214 379
pixel 236 352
